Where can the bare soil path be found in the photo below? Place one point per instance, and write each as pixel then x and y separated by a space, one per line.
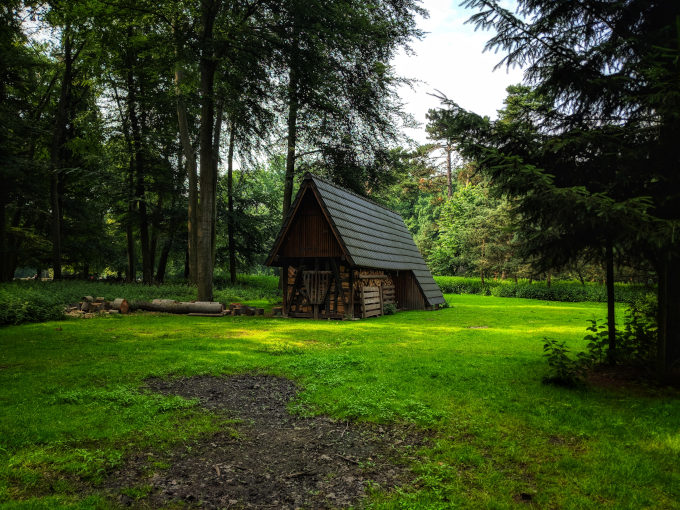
pixel 275 460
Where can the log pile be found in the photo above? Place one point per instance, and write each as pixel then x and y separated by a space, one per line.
pixel 90 306
pixel 98 305
pixel 239 309
pixel 371 278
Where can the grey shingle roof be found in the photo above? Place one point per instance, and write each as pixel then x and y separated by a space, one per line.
pixel 374 236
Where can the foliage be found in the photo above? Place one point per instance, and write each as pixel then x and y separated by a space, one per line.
pixel 569 291
pixel 636 343
pixel 23 303
pixel 75 408
pixel 594 167
pixel 257 212
pixel 389 309
pixel 564 371
pixel 476 235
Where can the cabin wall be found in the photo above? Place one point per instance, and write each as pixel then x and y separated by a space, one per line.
pixel 338 304
pixel 408 293
pixel 338 301
pixel 310 234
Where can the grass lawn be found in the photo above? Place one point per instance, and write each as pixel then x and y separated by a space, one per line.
pixel 71 407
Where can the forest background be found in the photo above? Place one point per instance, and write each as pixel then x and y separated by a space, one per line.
pixel 147 140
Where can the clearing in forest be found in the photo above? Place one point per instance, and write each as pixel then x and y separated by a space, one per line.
pixel 111 410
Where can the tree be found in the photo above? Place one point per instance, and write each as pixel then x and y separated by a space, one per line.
pixel 339 90
pixel 437 130
pixel 609 72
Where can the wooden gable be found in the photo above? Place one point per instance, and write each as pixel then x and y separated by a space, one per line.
pixel 309 233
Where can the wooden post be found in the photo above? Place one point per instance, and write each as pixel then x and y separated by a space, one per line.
pixel 351 293
pixel 284 288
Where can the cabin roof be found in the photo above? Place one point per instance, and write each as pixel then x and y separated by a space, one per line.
pixel 371 235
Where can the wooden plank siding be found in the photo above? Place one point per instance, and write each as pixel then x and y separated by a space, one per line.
pixel 407 293
pixel 310 235
pixel 371 302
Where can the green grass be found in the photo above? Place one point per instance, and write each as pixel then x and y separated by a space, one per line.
pixel 71 407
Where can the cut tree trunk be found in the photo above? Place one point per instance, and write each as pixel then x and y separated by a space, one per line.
pixel 170 306
pixel 121 305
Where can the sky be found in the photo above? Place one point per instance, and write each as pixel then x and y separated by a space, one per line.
pixel 451 58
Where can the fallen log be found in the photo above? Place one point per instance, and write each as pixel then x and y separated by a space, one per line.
pixel 121 305
pixel 169 306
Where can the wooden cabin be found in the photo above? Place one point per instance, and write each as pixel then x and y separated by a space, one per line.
pixel 343 255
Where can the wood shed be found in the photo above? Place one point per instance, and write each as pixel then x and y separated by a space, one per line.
pixel 343 255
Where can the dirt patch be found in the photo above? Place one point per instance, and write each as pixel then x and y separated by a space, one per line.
pixel 276 460
pixel 632 380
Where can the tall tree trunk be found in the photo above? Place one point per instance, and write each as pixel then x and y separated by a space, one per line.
pixel 611 317
pixel 207 65
pixel 219 117
pixel 56 153
pixel 136 129
pixel 13 244
pixel 481 268
pixel 156 219
pixel 186 264
pixel 175 221
pixel 131 272
pixel 4 255
pixel 293 106
pixel 449 181
pixel 668 350
pixel 190 156
pixel 163 259
pixel 231 224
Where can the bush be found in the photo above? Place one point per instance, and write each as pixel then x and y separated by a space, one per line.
pixel 564 371
pixel 389 309
pixel 572 291
pixel 635 343
pixel 19 305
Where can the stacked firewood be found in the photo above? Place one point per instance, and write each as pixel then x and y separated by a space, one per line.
pixel 92 305
pixel 239 309
pixel 371 279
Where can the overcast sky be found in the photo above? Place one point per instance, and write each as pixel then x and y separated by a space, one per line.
pixel 450 58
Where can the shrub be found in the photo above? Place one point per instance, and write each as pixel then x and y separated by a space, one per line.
pixel 572 291
pixel 635 343
pixel 389 309
pixel 564 371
